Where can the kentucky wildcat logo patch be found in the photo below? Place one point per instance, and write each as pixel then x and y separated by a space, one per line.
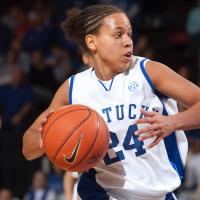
pixel 133 86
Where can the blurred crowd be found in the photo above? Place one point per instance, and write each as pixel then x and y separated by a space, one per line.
pixel 35 59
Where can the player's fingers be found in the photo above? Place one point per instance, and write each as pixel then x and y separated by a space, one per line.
pixel 147 113
pixel 50 112
pixel 40 129
pixel 41 143
pixel 143 130
pixel 44 120
pixel 146 129
pixel 155 142
pixel 150 135
pixel 145 120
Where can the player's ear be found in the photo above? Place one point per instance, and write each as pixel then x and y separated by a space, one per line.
pixel 91 42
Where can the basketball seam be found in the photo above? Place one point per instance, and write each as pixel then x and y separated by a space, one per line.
pixel 59 118
pixel 61 146
pixel 45 133
pixel 92 145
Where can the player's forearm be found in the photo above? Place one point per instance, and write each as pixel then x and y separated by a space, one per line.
pixel 188 119
pixel 32 144
pixel 32 140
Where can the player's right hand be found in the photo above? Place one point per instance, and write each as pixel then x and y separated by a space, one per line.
pixel 43 122
pixel 159 126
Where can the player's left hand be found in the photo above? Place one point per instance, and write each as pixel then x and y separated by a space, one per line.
pixel 160 126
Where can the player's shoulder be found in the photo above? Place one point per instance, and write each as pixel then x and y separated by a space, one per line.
pixel 147 64
pixel 135 65
pixel 84 73
pixel 81 78
pixel 138 60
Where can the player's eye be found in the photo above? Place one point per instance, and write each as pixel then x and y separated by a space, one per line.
pixel 118 35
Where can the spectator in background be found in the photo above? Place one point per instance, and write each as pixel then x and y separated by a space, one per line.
pixel 39 188
pixel 5 37
pixel 60 63
pixel 87 59
pixel 55 180
pixel 22 57
pixel 143 47
pixel 192 182
pixel 10 18
pixel 9 61
pixel 22 24
pixel 40 36
pixel 193 28
pixel 40 7
pixel 42 79
pixel 184 71
pixel 15 100
pixel 6 194
pixel 41 75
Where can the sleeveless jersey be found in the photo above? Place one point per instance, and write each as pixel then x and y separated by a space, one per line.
pixel 130 170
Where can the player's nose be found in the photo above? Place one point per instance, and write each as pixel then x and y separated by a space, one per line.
pixel 128 42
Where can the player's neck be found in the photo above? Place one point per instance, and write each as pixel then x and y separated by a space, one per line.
pixel 103 71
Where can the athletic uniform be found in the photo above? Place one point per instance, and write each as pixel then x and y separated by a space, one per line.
pixel 129 170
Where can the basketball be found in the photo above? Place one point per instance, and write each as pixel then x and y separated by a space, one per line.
pixel 75 138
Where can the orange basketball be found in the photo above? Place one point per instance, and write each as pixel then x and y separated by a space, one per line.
pixel 75 138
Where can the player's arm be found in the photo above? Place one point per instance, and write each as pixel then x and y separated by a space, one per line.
pixel 69 182
pixel 183 91
pixel 32 144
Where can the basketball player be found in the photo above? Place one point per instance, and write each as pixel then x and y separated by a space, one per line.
pixel 147 149
pixel 70 185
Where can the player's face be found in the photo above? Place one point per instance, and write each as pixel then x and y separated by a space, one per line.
pixel 114 42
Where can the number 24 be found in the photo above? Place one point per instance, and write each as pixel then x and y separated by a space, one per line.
pixel 138 145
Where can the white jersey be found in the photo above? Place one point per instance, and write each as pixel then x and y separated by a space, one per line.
pixel 129 170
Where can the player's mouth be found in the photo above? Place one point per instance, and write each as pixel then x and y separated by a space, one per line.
pixel 128 55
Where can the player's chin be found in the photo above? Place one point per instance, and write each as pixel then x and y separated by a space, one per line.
pixel 124 66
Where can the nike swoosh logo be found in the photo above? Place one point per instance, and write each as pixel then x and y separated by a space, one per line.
pixel 72 157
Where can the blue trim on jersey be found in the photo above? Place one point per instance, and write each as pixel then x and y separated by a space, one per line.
pixel 146 75
pixel 173 151
pixel 169 196
pixel 89 189
pixel 107 89
pixel 170 141
pixel 149 80
pixel 71 83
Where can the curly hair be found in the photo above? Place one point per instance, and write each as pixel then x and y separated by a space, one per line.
pixel 79 23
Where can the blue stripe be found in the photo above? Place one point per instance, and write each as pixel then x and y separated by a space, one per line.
pixel 170 141
pixel 173 151
pixel 149 80
pixel 71 83
pixel 107 89
pixel 89 189
pixel 147 76
pixel 169 196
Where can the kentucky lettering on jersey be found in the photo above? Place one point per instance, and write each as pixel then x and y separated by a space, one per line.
pixel 119 112
pixel 130 170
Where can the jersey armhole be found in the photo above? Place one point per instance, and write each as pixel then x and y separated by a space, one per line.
pixel 155 91
pixel 170 141
pixel 71 84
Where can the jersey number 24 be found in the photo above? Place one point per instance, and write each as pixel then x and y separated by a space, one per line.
pixel 127 144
